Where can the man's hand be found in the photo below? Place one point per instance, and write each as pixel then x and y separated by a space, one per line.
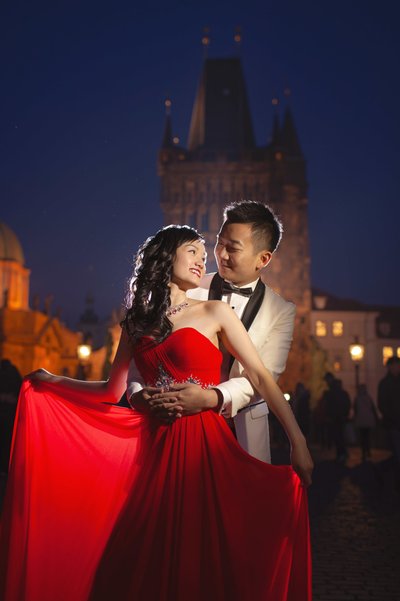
pixel 181 400
pixel 140 400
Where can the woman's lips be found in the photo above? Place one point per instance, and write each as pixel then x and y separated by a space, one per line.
pixel 196 271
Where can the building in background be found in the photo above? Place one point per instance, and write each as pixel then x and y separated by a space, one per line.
pixel 223 163
pixel 356 338
pixel 30 338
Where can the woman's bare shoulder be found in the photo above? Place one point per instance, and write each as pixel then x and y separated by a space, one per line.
pixel 218 307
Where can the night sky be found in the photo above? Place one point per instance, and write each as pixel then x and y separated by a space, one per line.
pixel 82 115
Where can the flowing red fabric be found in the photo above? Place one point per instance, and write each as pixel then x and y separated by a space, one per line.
pixel 105 503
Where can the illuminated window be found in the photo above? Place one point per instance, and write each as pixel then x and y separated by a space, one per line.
pixel 398 352
pixel 337 328
pixel 337 365
pixel 387 352
pixel 320 328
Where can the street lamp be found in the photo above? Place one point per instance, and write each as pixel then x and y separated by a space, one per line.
pixel 357 355
pixel 84 351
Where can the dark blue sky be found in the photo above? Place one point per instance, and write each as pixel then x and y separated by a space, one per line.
pixel 83 87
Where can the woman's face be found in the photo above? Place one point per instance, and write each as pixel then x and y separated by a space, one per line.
pixel 189 264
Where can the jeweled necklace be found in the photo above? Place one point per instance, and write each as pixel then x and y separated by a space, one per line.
pixel 176 308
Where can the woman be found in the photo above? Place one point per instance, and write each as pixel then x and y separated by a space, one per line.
pixel 135 509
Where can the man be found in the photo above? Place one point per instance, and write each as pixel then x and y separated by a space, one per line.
pixel 389 406
pixel 249 236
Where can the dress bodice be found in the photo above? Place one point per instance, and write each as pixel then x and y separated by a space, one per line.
pixel 185 355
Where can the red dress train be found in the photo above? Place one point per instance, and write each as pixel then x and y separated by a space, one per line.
pixel 105 503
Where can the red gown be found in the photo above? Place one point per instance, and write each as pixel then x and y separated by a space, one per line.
pixel 105 503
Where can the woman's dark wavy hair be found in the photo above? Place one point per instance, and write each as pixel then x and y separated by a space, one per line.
pixel 148 296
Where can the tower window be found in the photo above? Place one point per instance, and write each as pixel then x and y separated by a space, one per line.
pixel 320 328
pixel 191 220
pixel 204 222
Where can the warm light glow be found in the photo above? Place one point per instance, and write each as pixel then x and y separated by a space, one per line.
pixel 337 366
pixel 337 328
pixel 205 41
pixel 168 103
pixel 387 352
pixel 287 396
pixel 356 352
pixel 175 140
pixel 84 351
pixel 278 156
pixel 275 101
pixel 398 352
pixel 320 328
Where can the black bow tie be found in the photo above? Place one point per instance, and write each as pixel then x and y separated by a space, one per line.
pixel 228 288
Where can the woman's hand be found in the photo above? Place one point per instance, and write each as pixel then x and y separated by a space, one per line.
pixel 40 375
pixel 302 463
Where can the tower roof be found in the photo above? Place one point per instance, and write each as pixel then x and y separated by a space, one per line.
pixel 289 137
pixel 221 117
pixel 10 246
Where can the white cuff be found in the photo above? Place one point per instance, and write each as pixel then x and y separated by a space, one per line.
pixel 226 409
pixel 132 388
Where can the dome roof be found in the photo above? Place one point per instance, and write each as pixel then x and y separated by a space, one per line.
pixel 10 247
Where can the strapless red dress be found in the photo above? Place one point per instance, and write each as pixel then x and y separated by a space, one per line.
pixel 105 503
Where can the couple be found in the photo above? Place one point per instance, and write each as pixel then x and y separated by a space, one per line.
pixel 104 502
pixel 248 237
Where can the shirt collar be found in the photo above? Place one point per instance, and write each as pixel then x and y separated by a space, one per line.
pixel 251 285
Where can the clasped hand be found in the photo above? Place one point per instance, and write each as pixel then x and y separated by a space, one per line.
pixel 179 400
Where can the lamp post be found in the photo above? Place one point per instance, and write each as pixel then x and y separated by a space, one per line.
pixel 84 351
pixel 357 354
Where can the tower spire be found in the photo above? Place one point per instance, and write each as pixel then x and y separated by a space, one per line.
pixel 276 130
pixel 289 138
pixel 167 141
pixel 238 39
pixel 206 40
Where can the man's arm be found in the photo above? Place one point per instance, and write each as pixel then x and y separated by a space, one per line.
pixel 238 392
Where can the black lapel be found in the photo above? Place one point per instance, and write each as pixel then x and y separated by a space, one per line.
pixel 215 291
pixel 253 305
pixel 251 310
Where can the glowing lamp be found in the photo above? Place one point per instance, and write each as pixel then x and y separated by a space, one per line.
pixel 356 351
pixel 84 351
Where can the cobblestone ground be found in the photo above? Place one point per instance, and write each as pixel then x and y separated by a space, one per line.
pixel 355 529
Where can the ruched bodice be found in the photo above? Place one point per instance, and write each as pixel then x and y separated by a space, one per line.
pixel 186 355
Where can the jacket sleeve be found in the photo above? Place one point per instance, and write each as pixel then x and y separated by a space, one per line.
pixel 237 391
pixel 135 381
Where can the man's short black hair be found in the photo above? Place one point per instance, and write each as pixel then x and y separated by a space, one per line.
pixel 265 225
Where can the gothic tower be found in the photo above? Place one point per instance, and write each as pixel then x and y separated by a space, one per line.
pixel 223 163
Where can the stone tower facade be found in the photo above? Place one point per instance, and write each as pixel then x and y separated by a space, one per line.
pixel 222 163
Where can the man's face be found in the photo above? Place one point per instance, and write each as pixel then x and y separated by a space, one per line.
pixel 236 258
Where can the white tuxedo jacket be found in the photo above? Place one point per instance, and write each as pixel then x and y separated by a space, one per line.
pixel 271 333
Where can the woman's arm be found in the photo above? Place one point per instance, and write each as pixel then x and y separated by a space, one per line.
pixel 237 341
pixel 109 390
